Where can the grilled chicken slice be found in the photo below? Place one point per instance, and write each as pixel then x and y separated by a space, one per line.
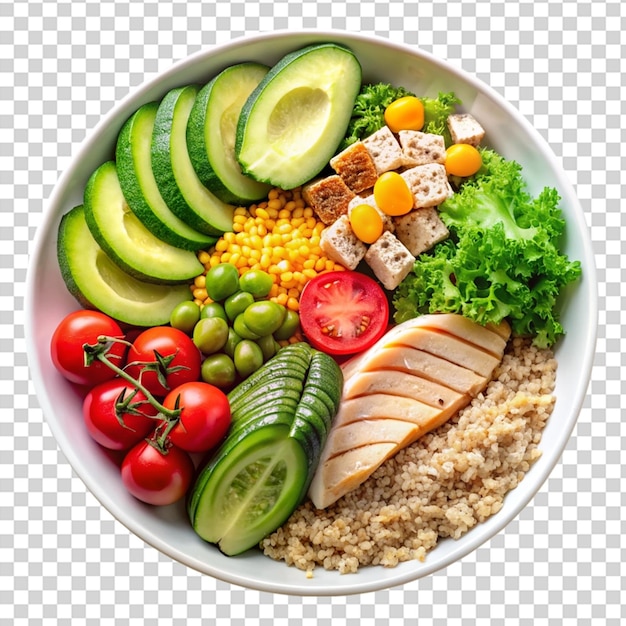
pixel 412 380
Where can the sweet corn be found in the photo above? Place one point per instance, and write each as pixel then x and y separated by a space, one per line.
pixel 281 236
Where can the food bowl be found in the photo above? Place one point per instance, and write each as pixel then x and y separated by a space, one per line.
pixel 167 528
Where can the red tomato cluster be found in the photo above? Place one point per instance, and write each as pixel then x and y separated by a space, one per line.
pixel 149 400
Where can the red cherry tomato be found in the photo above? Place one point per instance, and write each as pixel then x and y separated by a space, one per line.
pixel 173 357
pixel 343 312
pixel 155 477
pixel 204 417
pixel 113 426
pixel 66 347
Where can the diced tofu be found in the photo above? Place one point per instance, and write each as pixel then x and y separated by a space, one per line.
pixel 341 245
pixel 390 260
pixel 384 149
pixel 428 184
pixel 356 167
pixel 328 197
pixel 464 128
pixel 388 223
pixel 419 148
pixel 420 229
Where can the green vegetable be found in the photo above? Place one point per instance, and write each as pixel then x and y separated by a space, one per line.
pixel 502 259
pixel 436 111
pixel 281 416
pixel 368 114
pixel 369 110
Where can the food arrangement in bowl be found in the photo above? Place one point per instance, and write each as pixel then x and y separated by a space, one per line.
pixel 311 314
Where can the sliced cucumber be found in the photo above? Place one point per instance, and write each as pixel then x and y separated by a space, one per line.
pixel 118 231
pixel 293 122
pixel 176 178
pixel 97 282
pixel 262 470
pixel 140 189
pixel 211 134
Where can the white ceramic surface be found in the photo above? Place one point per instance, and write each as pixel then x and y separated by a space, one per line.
pixel 167 529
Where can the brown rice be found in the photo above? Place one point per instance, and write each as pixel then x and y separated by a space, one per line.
pixel 441 486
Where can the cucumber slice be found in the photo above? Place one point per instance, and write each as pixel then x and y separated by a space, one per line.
pixel 264 467
pixel 96 282
pixel 251 491
pixel 140 189
pixel 293 122
pixel 128 243
pixel 176 179
pixel 211 134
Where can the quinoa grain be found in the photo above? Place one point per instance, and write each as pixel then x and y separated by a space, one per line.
pixel 441 486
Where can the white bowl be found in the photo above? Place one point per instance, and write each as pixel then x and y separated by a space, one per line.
pixel 167 529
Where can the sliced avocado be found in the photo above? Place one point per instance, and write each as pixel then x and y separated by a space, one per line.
pixel 97 282
pixel 293 122
pixel 173 171
pixel 118 231
pixel 211 134
pixel 140 189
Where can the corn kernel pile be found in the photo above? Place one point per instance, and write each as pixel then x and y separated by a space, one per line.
pixel 280 236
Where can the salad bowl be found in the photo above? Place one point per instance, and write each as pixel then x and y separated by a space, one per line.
pixel 167 529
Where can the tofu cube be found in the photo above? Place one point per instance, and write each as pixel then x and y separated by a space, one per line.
pixel 419 148
pixel 390 260
pixel 328 197
pixel 384 149
pixel 428 184
pixel 356 167
pixel 420 229
pixel 464 128
pixel 341 245
pixel 388 223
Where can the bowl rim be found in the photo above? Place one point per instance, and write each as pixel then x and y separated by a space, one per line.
pixel 472 541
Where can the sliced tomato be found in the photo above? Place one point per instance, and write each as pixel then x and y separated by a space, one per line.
pixel 343 312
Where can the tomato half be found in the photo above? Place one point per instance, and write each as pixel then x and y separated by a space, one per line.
pixel 343 312
pixel 66 346
pixel 117 415
pixel 154 477
pixel 204 416
pixel 171 355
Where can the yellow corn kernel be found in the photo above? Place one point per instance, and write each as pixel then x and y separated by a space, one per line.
pixel 282 298
pixel 275 204
pixel 265 261
pixel 320 264
pixel 225 258
pixel 255 254
pixel 286 277
pixel 309 272
pixel 293 304
pixel 200 294
pixel 307 212
pixel 221 245
pixel 215 260
pixel 263 214
pixel 273 269
pixel 203 257
pixel 273 291
pixel 241 210
pixel 229 237
pixel 309 264
pixel 200 281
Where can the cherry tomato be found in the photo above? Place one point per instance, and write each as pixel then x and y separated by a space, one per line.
pixel 366 223
pixel 118 421
pixel 155 477
pixel 462 159
pixel 172 356
pixel 405 113
pixel 392 194
pixel 343 312
pixel 204 417
pixel 66 347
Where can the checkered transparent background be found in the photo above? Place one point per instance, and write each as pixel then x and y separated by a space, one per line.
pixel 63 559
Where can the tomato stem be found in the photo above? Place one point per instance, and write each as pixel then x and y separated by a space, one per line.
pixel 99 351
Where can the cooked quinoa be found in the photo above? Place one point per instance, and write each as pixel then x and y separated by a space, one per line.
pixel 441 486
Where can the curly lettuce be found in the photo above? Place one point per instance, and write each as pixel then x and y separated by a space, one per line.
pixel 502 259
pixel 368 114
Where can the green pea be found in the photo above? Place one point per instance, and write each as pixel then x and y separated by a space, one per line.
pixel 210 334
pixel 219 370
pixel 232 340
pixel 241 328
pixel 185 316
pixel 264 317
pixel 268 346
pixel 248 357
pixel 237 303
pixel 222 281
pixel 289 327
pixel 214 309
pixel 256 282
